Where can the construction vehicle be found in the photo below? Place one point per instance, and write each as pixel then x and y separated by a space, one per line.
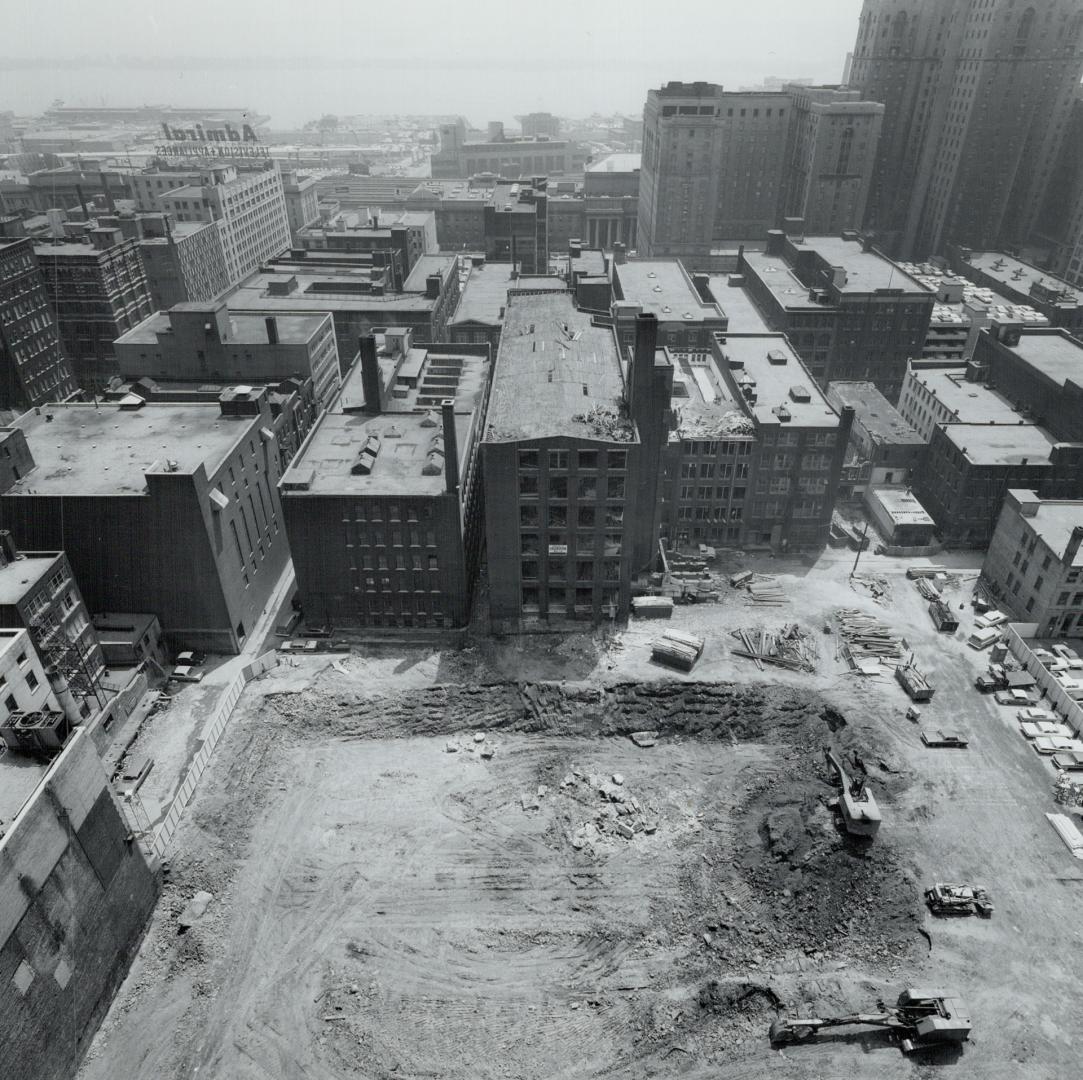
pixel 913 681
pixel 860 814
pixel 946 898
pixel 924 1018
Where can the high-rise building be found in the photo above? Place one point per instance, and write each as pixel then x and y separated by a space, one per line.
pixel 719 168
pixel 33 367
pixel 249 207
pixel 302 201
pixel 977 95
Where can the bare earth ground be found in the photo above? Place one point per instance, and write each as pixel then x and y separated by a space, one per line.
pixel 390 903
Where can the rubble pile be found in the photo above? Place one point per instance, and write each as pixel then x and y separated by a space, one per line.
pixel 617 812
pixel 1067 792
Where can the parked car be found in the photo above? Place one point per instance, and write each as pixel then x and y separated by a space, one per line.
pixel 991 618
pixel 1037 728
pixel 987 682
pixel 305 645
pixel 1065 652
pixel 945 738
pixel 186 673
pixel 1069 760
pixel 192 657
pixel 1034 715
pixel 1014 697
pixel 983 637
pixel 1056 744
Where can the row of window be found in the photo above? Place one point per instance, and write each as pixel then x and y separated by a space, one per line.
pixel 585 459
pixel 587 487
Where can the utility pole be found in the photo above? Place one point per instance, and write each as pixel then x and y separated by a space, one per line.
pixel 860 548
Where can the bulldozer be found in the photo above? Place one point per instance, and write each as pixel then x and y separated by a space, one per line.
pixel 860 814
pixel 923 1018
pixel 947 898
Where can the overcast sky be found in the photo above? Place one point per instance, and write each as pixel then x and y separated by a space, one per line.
pixel 485 59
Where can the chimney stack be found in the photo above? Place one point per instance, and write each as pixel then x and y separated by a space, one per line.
pixel 432 286
pixel 451 447
pixel 620 253
pixel 59 683
pixel 370 374
pixel 1072 549
pixel 272 329
pixel 641 377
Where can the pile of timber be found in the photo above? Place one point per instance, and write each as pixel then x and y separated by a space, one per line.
pixel 927 588
pixel 789 647
pixel 866 638
pixel 762 589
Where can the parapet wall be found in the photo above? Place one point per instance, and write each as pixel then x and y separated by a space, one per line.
pixel 75 895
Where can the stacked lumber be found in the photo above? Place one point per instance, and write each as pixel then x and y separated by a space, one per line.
pixel 866 638
pixel 763 589
pixel 787 647
pixel 927 588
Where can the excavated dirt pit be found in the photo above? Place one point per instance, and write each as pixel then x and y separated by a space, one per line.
pixel 475 881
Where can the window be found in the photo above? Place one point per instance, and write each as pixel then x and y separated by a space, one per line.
pixel 22 658
pixel 529 569
pixel 558 487
pixel 586 517
pixel 615 487
pixel 558 459
pixel 528 459
pixel 31 680
pixel 433 565
pixel 588 487
pixel 528 485
pixel 528 515
pixel 588 459
pixel 618 459
pixel 11 704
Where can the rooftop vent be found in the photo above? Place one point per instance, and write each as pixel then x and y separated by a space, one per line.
pixel 800 393
pixel 367 458
pixel 776 356
pixel 782 413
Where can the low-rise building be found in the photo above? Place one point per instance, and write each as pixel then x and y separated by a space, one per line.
pixel 571 458
pixel 129 639
pixel 402 236
pixel 383 503
pixel 479 317
pixel 165 508
pixel 1034 565
pixel 953 395
pixel 883 447
pixel 360 298
pixel 517 225
pixel 24 686
pixel 1022 283
pixel 505 156
pixel 850 312
pixel 207 343
pixel 898 514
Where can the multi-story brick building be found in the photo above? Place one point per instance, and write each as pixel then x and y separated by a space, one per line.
pixel 571 458
pixel 756 454
pixel 38 593
pixel 204 343
pixel 510 157
pixel 479 317
pixel 402 237
pixel 517 225
pixel 33 367
pixel 302 202
pixel 1034 565
pixel 383 504
pixel 850 313
pixel 98 290
pixel 183 261
pixel 164 508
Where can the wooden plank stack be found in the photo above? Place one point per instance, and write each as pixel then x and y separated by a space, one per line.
pixel 866 638
pixel 786 647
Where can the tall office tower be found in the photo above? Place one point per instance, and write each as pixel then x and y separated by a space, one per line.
pixel 977 95
pixel 33 367
pixel 722 168
pixel 834 138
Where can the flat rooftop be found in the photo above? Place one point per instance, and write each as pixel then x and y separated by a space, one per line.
pixel 774 381
pixel 426 265
pixel 902 506
pixel 485 293
pixel 1057 355
pixel 1054 520
pixel 1001 444
pixel 410 431
pixel 663 288
pixel 616 162
pixel 702 403
pixel 875 413
pixel 1019 276
pixel 321 291
pixel 244 330
pixel 866 271
pixel 357 221
pixel 737 305
pixel 105 450
pixel 19 577
pixel 48 249
pixel 552 368
pixel 971 402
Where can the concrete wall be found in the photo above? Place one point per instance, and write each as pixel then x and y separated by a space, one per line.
pixel 75 896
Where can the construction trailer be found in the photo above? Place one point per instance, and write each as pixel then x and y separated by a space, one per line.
pixel 944 619
pixel 913 681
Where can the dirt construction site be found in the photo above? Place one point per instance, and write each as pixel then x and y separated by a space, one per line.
pixel 553 858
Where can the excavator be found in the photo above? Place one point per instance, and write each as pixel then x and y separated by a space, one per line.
pixel 860 814
pixel 923 1018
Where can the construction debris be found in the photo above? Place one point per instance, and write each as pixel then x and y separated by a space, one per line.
pixel 607 423
pixel 644 739
pixel 619 813
pixel 877 587
pixel 789 647
pixel 1067 792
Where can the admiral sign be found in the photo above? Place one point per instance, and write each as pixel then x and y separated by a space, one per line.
pixel 198 141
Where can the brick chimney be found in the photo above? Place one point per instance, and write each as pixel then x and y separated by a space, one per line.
pixel 1070 551
pixel 370 374
pixel 272 329
pixel 451 447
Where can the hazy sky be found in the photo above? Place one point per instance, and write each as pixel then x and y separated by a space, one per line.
pixel 296 59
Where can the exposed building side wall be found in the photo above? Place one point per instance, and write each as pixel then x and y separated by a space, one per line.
pixel 75 896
